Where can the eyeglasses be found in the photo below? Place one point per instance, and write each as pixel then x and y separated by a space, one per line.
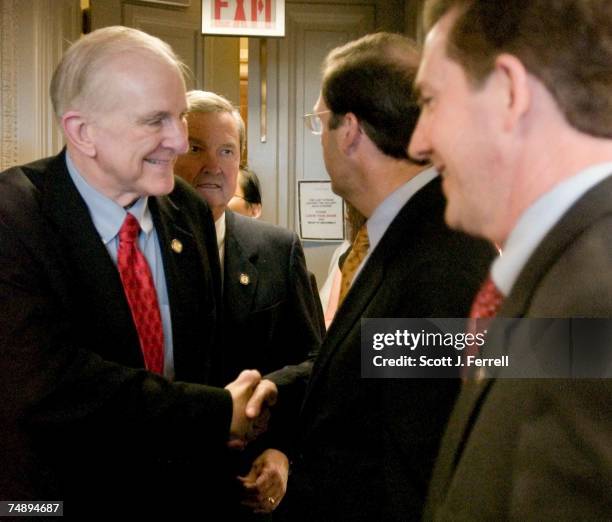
pixel 313 122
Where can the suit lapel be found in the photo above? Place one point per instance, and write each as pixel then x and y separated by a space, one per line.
pixel 240 274
pixel 408 225
pixel 588 209
pixel 349 313
pixel 94 281
pixel 593 205
pixel 182 255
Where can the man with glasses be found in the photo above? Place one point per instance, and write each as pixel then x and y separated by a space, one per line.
pixel 366 446
pixel 271 315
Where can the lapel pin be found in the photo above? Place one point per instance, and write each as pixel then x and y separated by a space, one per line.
pixel 244 279
pixel 177 246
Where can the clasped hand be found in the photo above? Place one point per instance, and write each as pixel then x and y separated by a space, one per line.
pixel 252 398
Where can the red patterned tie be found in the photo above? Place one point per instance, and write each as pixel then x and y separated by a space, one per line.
pixel 487 301
pixel 141 295
pixel 486 304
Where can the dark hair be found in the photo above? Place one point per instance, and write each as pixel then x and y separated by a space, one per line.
pixel 249 183
pixel 372 78
pixel 566 44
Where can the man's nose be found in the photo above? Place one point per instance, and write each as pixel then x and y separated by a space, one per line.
pixel 419 147
pixel 176 136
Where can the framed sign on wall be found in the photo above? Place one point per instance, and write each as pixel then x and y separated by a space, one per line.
pixel 320 211
pixel 243 17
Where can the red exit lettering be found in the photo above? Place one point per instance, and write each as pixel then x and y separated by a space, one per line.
pixel 260 10
pixel 219 4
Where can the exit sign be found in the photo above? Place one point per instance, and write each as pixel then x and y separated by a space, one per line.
pixel 244 17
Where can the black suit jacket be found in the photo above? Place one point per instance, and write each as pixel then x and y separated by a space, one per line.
pixel 271 315
pixel 366 446
pixel 538 449
pixel 81 420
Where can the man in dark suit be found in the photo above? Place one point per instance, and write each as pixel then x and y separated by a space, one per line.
pixel 82 420
pixel 271 316
pixel 365 447
pixel 521 129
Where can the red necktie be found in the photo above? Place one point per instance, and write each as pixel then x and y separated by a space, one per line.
pixel 486 304
pixel 487 301
pixel 141 295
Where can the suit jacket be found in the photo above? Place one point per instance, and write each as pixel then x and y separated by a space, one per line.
pixel 271 315
pixel 366 446
pixel 81 420
pixel 538 449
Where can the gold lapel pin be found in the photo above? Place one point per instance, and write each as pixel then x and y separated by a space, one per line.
pixel 244 279
pixel 177 246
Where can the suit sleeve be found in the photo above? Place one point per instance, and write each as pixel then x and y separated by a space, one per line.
pixel 445 283
pixel 305 310
pixel 57 389
pixel 304 334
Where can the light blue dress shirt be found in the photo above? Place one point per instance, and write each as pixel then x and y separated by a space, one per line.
pixel 108 217
pixel 386 212
pixel 538 220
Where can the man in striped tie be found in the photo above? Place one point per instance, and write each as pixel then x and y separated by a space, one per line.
pixel 365 446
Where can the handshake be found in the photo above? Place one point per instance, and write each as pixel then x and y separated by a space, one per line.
pixel 252 398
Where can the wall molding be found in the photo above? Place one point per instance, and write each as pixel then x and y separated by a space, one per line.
pixel 9 151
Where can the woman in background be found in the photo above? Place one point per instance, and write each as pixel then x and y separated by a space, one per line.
pixel 247 199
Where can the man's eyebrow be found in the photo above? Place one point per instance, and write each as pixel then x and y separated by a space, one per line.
pixel 158 115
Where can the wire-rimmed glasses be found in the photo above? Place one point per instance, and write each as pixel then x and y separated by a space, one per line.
pixel 313 122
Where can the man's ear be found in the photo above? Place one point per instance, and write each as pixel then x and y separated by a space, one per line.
pixel 350 133
pixel 516 90
pixel 77 130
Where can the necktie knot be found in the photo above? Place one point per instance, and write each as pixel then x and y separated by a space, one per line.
pixel 359 250
pixel 487 302
pixel 130 229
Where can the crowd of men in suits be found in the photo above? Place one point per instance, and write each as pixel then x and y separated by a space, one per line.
pixel 131 297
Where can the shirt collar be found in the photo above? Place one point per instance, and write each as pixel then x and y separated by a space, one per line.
pixel 386 212
pixel 220 230
pixel 538 220
pixel 106 214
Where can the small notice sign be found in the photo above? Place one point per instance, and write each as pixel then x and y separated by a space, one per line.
pixel 321 212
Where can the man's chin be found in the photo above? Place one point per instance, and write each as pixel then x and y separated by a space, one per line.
pixel 164 186
pixel 452 217
pixel 213 196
